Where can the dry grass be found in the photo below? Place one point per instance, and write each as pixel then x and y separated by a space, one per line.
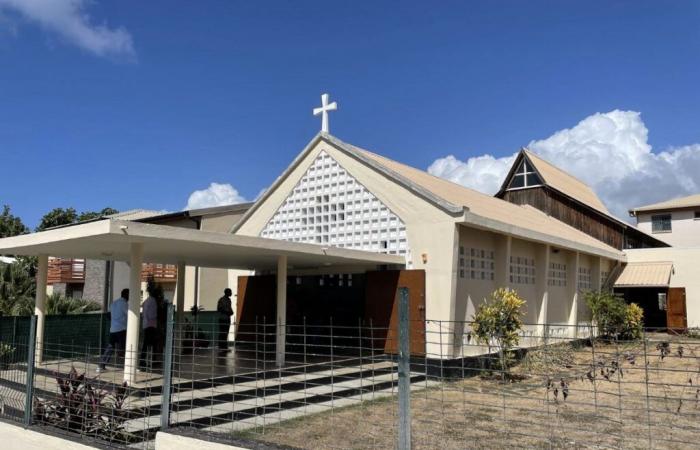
pixel 623 411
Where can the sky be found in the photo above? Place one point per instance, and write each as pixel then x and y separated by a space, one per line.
pixel 168 104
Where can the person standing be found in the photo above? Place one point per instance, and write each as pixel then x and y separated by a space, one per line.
pixel 225 312
pixel 117 329
pixel 149 323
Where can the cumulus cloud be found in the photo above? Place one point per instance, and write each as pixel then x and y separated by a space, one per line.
pixel 68 19
pixel 608 151
pixel 217 194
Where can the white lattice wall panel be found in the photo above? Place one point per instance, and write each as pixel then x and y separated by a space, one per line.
pixel 329 207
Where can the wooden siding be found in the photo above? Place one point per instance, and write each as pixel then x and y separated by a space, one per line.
pixel 580 217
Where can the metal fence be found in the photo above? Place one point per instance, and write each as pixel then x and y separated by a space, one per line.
pixel 363 386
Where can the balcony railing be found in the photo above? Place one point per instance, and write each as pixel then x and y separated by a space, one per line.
pixel 70 270
pixel 66 270
pixel 161 273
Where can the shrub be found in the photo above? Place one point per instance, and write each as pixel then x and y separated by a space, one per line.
pixel 613 316
pixel 498 322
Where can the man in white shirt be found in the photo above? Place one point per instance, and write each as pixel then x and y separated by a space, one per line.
pixel 117 329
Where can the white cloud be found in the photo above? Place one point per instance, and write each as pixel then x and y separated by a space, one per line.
pixel 68 19
pixel 216 194
pixel 609 151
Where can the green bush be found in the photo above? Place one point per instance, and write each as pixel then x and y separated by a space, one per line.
pixel 613 316
pixel 499 321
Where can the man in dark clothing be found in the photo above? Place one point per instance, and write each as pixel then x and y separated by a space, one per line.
pixel 225 313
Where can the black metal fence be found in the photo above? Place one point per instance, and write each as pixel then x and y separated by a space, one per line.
pixel 365 386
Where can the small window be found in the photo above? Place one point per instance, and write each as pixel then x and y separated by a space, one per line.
pixel 525 176
pixel 697 215
pixel 661 223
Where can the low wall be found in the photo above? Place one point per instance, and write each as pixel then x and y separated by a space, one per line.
pixel 15 437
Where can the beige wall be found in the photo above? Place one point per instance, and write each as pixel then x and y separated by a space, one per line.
pixel 686 273
pixel 685 229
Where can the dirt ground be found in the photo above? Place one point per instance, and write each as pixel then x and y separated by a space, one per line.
pixel 617 396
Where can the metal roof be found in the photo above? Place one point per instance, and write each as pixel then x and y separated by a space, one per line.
pixel 690 201
pixel 645 274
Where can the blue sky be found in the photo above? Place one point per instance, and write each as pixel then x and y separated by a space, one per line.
pixel 145 102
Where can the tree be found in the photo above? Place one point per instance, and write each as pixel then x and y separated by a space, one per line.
pixel 57 217
pixel 91 215
pixel 17 288
pixel 67 216
pixel 11 225
pixel 498 322
pixel 613 316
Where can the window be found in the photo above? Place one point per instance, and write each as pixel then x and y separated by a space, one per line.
pixel 661 223
pixel 525 176
pixel 697 215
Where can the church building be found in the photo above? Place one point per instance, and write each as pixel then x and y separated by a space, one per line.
pixel 459 245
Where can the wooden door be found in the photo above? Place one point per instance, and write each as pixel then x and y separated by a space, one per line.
pixel 676 317
pixel 381 308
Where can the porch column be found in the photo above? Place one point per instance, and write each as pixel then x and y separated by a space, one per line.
pixel 132 322
pixel 40 304
pixel 180 294
pixel 572 276
pixel 281 308
pixel 542 288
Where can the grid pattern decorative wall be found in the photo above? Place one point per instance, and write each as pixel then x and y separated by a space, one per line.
pixel 522 270
pixel 557 274
pixel 585 282
pixel 477 265
pixel 330 207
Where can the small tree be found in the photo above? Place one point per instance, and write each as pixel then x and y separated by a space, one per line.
pixel 613 316
pixel 498 322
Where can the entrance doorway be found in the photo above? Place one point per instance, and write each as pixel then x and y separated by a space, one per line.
pixel 333 311
pixel 664 308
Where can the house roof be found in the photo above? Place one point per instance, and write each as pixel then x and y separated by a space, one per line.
pixel 690 201
pixel 565 183
pixel 645 274
pixel 477 209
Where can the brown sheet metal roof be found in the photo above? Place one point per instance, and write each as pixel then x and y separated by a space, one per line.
pixel 645 274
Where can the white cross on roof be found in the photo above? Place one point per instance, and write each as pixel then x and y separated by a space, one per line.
pixel 323 110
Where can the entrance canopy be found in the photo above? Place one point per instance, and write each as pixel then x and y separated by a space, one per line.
pixel 111 239
pixel 645 274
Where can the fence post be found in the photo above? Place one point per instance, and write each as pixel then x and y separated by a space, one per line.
pixel 404 371
pixel 167 368
pixel 31 355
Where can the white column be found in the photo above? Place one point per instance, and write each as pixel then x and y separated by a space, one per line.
pixel 132 322
pixel 281 308
pixel 572 277
pixel 40 304
pixel 542 287
pixel 180 294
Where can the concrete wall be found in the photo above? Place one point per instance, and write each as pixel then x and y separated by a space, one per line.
pixel 15 437
pixel 686 273
pixel 685 229
pixel 95 277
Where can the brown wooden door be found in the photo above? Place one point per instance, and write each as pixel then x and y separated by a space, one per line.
pixel 381 308
pixel 676 318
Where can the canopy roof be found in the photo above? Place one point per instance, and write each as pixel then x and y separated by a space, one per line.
pixel 111 239
pixel 645 274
